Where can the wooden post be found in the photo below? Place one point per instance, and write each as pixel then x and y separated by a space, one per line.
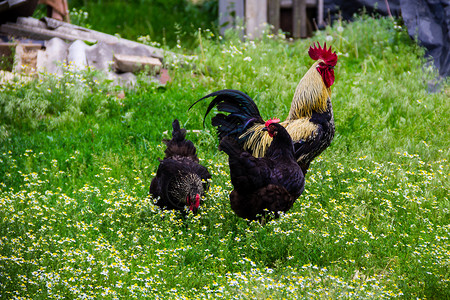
pixel 274 14
pixel 231 12
pixel 255 17
pixel 320 22
pixel 299 18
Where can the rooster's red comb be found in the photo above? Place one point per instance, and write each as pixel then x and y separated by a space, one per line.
pixel 330 58
pixel 270 121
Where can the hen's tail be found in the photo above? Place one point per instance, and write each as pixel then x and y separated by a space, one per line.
pixel 178 145
pixel 178 133
pixel 243 112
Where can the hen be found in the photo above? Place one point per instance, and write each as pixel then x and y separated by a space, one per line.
pixel 310 122
pixel 180 180
pixel 270 183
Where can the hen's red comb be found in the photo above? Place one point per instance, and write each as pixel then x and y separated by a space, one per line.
pixel 270 121
pixel 325 54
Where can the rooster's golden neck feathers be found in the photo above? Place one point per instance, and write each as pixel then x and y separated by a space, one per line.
pixel 310 95
pixel 313 90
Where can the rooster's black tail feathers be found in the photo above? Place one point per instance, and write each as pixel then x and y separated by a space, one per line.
pixel 243 112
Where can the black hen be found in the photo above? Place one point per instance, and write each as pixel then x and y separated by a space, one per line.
pixel 271 183
pixel 180 180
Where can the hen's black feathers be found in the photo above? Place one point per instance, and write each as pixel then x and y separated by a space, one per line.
pixel 179 175
pixel 271 183
pixel 271 198
pixel 178 146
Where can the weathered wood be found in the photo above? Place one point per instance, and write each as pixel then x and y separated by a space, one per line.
pixel 299 18
pixel 320 21
pixel 231 13
pixel 274 14
pixel 25 58
pixel 6 55
pixel 36 29
pixel 255 17
pixel 289 3
pixel 7 5
pixel 133 63
pixel 300 22
pixel 6 49
pixel 65 45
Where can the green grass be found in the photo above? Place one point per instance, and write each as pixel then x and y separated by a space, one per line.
pixel 161 21
pixel 76 161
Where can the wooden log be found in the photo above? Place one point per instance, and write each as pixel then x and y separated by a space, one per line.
pixel 35 29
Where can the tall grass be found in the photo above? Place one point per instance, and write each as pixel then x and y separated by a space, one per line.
pixel 76 160
pixel 163 21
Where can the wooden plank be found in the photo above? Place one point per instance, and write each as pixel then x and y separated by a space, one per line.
pixel 255 17
pixel 34 32
pixel 132 63
pixel 320 21
pixel 11 4
pixel 25 58
pixel 273 14
pixel 231 13
pixel 6 55
pixel 288 3
pixel 303 20
pixel 6 49
pixel 299 19
pixel 36 29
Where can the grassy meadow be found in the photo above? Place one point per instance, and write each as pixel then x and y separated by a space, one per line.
pixel 77 155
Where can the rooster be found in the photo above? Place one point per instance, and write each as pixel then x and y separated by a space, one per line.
pixel 180 180
pixel 270 183
pixel 310 121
